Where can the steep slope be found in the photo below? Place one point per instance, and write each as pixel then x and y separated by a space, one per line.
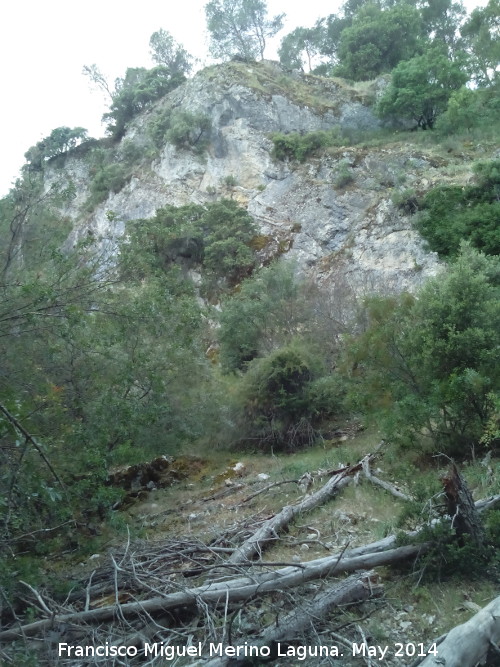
pixel 335 207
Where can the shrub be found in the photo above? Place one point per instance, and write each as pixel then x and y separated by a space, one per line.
pixel 344 175
pixel 188 130
pixel 453 213
pixel 109 178
pixel 274 401
pixel 297 146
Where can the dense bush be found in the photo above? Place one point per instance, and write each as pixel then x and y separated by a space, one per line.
pixel 429 366
pixel 216 237
pixel 452 213
pixel 282 397
pixel 297 146
pixel 108 178
pixel 137 91
pixel 267 312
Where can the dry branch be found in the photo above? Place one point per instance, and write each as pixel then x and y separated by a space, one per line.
pixel 380 482
pixel 269 530
pixel 233 590
pixel 311 614
pixel 469 643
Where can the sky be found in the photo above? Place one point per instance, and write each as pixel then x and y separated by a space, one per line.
pixel 45 44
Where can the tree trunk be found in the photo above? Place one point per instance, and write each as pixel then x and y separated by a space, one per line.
pixel 269 530
pixel 469 643
pixel 233 590
pixel 310 615
pixel 464 515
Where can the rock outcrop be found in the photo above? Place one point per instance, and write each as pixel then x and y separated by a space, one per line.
pixel 331 212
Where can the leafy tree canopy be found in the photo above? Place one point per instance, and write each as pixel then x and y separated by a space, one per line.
pixel 378 40
pixel 240 28
pixel 482 34
pixel 421 87
pixel 431 364
pixel 166 52
pixel 59 141
pixel 136 91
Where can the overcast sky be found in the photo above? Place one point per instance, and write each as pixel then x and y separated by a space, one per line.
pixel 45 43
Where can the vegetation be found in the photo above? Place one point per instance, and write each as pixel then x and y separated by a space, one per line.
pixel 191 337
pixel 431 364
pixel 298 146
pixel 240 28
pixel 453 213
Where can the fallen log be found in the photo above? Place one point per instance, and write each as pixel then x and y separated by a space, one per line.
pixel 270 528
pixel 310 615
pixel 233 590
pixel 469 643
pixel 385 485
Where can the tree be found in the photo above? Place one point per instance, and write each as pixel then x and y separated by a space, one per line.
pixel 378 40
pixel 421 87
pixel 166 52
pixel 300 42
pixel 267 312
pixel 431 363
pixel 482 35
pixel 240 28
pixel 59 141
pixel 135 92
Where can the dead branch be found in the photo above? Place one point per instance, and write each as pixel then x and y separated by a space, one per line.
pixel 469 643
pixel 269 486
pixel 312 613
pixel 232 590
pixel 380 482
pixel 269 530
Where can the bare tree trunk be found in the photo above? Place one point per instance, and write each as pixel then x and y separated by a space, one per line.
pixel 461 508
pixel 270 529
pixel 469 643
pixel 311 614
pixel 233 590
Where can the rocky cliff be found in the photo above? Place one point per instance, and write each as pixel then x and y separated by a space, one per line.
pixel 333 212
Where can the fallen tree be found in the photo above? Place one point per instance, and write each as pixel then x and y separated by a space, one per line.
pixel 311 614
pixel 224 592
pixel 469 643
pixel 270 529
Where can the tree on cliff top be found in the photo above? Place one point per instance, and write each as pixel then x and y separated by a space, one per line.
pixel 240 28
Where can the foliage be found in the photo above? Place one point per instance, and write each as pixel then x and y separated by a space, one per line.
pixel 297 44
pixel 266 312
pixel 452 213
pixel 180 128
pixel 240 28
pixel 431 364
pixel 481 32
pixel 377 41
pixel 137 91
pixel 108 178
pixel 216 237
pixel 59 141
pixel 279 400
pixel 166 52
pixel 421 87
pixel 297 146
pixel 187 130
pixel 344 175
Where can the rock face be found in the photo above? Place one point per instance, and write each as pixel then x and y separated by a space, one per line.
pixel 331 212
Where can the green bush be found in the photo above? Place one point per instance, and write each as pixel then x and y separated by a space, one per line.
pixel 274 399
pixel 452 213
pixel 188 130
pixel 344 175
pixel 109 178
pixel 284 396
pixel 297 146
